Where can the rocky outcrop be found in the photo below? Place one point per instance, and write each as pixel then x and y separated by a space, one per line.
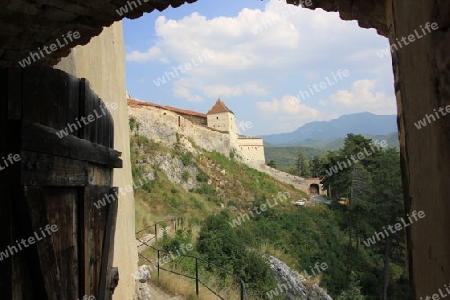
pixel 142 276
pixel 290 283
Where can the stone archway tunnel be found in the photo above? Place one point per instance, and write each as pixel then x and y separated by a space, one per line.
pixel 422 85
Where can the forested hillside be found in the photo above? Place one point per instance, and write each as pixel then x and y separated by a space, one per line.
pixel 222 202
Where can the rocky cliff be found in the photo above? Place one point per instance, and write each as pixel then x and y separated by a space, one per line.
pixel 293 285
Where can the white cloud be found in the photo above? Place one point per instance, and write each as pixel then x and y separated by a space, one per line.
pixel 182 89
pixel 152 54
pixel 288 108
pixel 362 97
pixel 266 53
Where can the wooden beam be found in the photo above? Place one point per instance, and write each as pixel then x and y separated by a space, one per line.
pixel 42 139
pixel 39 169
pixel 105 292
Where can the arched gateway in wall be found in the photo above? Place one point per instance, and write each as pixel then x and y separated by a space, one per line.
pixel 422 85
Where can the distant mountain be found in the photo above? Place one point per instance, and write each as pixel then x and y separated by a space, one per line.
pixel 318 134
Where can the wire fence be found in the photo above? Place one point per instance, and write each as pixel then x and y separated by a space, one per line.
pixel 192 267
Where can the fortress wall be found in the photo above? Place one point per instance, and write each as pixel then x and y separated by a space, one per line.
pixel 162 125
pixel 220 121
pixel 251 149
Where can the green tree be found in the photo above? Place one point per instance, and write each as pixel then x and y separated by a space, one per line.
pixel 354 290
pixel 220 244
pixel 272 164
pixel 360 207
pixel 302 165
pixel 388 199
pixel 315 166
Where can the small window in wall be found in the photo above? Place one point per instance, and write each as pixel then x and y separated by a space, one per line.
pixel 217 118
pixel 164 113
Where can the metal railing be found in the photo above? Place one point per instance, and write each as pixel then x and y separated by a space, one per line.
pixel 174 221
pixel 198 261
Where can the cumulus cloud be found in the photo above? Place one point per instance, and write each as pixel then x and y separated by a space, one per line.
pixel 362 97
pixel 272 53
pixel 288 107
pixel 152 54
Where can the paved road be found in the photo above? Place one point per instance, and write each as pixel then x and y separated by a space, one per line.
pixel 317 199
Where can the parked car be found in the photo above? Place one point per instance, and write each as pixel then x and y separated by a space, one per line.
pixel 300 202
pixel 328 202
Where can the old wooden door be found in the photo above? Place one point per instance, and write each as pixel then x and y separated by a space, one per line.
pixel 56 161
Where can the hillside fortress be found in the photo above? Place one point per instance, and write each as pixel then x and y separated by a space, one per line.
pixel 215 130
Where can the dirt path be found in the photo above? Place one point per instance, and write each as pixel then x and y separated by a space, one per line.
pixel 158 294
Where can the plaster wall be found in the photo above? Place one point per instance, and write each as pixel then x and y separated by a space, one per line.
pixel 220 121
pixel 252 149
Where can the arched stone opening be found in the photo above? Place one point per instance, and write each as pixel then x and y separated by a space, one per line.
pixel 314 189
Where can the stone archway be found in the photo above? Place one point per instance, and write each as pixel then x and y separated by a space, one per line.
pixel 422 86
pixel 314 189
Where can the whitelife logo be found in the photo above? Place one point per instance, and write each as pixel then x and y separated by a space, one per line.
pixel 34 57
pixel 398 227
pixel 431 118
pixel 86 120
pixel 11 250
pixel 360 156
pixel 9 161
pixel 169 75
pixel 322 85
pixel 411 38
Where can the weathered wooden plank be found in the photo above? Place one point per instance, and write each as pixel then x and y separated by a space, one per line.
pixel 105 292
pixel 93 223
pixel 86 238
pixel 55 92
pixel 62 207
pixel 84 94
pixel 43 139
pixel 99 229
pixel 94 109
pixel 5 203
pixel 14 88
pixel 48 170
pixel 48 263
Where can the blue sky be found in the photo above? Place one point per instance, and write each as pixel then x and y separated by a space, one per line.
pixel 275 65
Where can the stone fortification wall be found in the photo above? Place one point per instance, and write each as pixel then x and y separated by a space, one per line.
pixel 251 149
pixel 163 126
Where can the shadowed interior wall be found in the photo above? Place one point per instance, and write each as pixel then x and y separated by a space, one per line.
pixel 422 85
pixel 102 62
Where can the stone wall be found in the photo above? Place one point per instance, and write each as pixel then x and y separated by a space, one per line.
pixel 163 126
pixel 221 121
pixel 251 149
pixel 102 62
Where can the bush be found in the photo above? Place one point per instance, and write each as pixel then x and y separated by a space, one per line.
pixel 186 158
pixel 202 177
pixel 204 189
pixel 185 175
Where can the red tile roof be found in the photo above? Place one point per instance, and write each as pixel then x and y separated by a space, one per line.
pixel 219 107
pixel 137 103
